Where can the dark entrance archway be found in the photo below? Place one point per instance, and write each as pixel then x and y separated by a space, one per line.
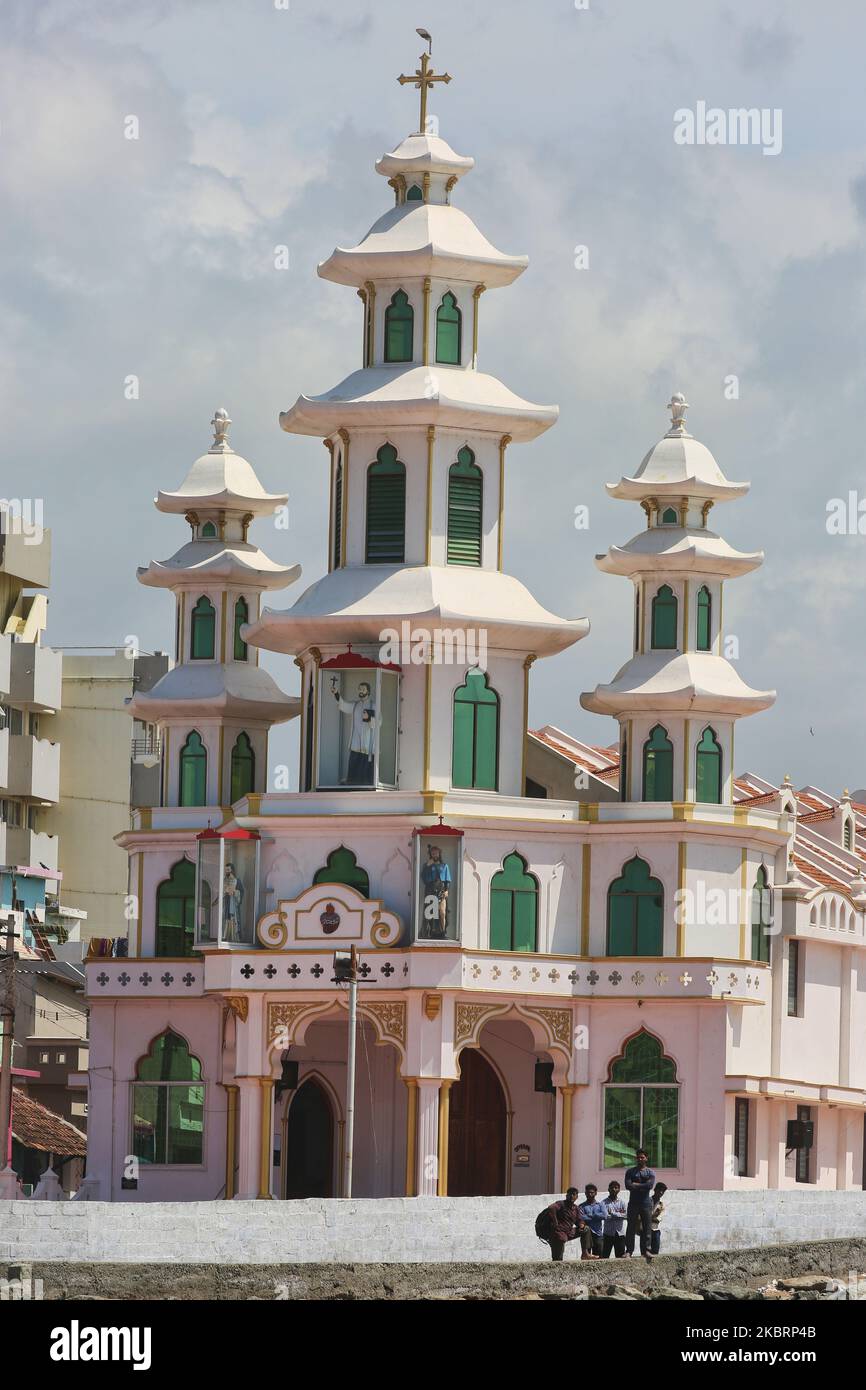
pixel 477 1130
pixel 309 1164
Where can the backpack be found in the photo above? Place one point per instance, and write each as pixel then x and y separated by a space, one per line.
pixel 543 1225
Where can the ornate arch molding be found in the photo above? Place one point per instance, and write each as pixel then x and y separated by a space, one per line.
pixel 288 1023
pixel 644 1032
pixel 551 1028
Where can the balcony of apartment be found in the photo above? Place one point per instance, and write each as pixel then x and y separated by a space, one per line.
pixel 18 845
pixel 34 768
pixel 25 550
pixel 5 663
pixel 36 676
pixel 4 758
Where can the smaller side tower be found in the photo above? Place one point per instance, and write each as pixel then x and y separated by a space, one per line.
pixel 678 699
pixel 215 707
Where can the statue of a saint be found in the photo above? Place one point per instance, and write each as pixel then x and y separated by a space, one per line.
pixel 363 728
pixel 233 900
pixel 436 877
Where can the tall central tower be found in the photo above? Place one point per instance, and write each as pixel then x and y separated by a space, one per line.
pixel 417 439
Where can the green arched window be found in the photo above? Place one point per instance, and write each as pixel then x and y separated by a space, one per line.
pixel 399 328
pixel 175 911
pixel 465 501
pixel 670 517
pixel 342 866
pixel 513 907
pixel 475 743
pixel 448 331
pixel 168 1104
pixel 337 557
pixel 193 771
pixel 704 619
pixel 664 619
pixel 635 912
pixel 203 631
pixel 243 768
pixel 414 194
pixel 708 768
pixel 641 1105
pixel 386 509
pixel 242 615
pixel 762 916
pixel 658 766
pixel 208 531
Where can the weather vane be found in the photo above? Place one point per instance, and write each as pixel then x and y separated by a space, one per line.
pixel 424 77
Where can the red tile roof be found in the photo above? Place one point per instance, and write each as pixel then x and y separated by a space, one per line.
pixel 37 1127
pixel 818 875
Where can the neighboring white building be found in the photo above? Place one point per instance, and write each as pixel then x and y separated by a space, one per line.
pixel 30 684
pixel 565 950
pixel 108 767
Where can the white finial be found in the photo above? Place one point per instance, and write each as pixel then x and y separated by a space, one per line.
pixel 221 423
pixel 677 405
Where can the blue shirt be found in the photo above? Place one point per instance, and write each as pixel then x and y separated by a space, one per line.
pixel 593 1213
pixel 639 1184
pixel 614 1208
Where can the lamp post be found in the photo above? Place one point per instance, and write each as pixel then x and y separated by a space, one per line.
pixel 346 972
pixel 8 1176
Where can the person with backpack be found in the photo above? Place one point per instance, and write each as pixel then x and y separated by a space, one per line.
pixel 559 1223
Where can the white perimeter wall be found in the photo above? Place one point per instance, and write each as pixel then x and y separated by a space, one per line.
pixel 397 1229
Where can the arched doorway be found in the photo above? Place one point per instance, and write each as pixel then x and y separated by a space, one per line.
pixel 477 1130
pixel 309 1162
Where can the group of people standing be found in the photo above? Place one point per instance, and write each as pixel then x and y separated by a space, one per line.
pixel 599 1224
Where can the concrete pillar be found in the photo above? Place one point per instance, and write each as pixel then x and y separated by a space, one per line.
pixel 427 1148
pixel 565 1179
pixel 411 1133
pixel 250 1096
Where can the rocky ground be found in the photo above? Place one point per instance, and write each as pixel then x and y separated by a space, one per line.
pixel 825 1270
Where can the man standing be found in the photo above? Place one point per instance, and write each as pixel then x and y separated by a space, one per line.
pixel 563 1223
pixel 639 1184
pixel 592 1213
pixel 613 1238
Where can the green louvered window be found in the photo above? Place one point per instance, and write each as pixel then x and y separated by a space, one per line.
pixel 513 907
pixel 193 772
pixel 175 911
pixel 465 497
pixel 399 328
pixel 670 517
pixel 658 766
pixel 337 556
pixel 203 631
pixel 475 751
pixel 208 531
pixel 242 616
pixel 243 768
pixel 762 916
pixel 414 195
pixel 708 768
pixel 664 619
pixel 448 331
pixel 386 509
pixel 704 619
pixel 635 908
pixel 342 866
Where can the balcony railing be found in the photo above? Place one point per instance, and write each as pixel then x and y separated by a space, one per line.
pixel 148 746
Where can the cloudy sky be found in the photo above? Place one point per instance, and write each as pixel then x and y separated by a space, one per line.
pixel 260 126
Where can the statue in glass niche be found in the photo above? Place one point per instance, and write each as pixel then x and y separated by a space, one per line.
pixel 436 877
pixel 233 901
pixel 362 733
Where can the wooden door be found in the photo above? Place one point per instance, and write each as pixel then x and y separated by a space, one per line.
pixel 477 1129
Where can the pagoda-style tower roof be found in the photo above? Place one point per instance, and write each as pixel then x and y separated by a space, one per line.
pixel 356 603
pixel 677 466
pixel 221 480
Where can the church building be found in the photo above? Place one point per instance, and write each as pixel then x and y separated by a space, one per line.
pixel 563 952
